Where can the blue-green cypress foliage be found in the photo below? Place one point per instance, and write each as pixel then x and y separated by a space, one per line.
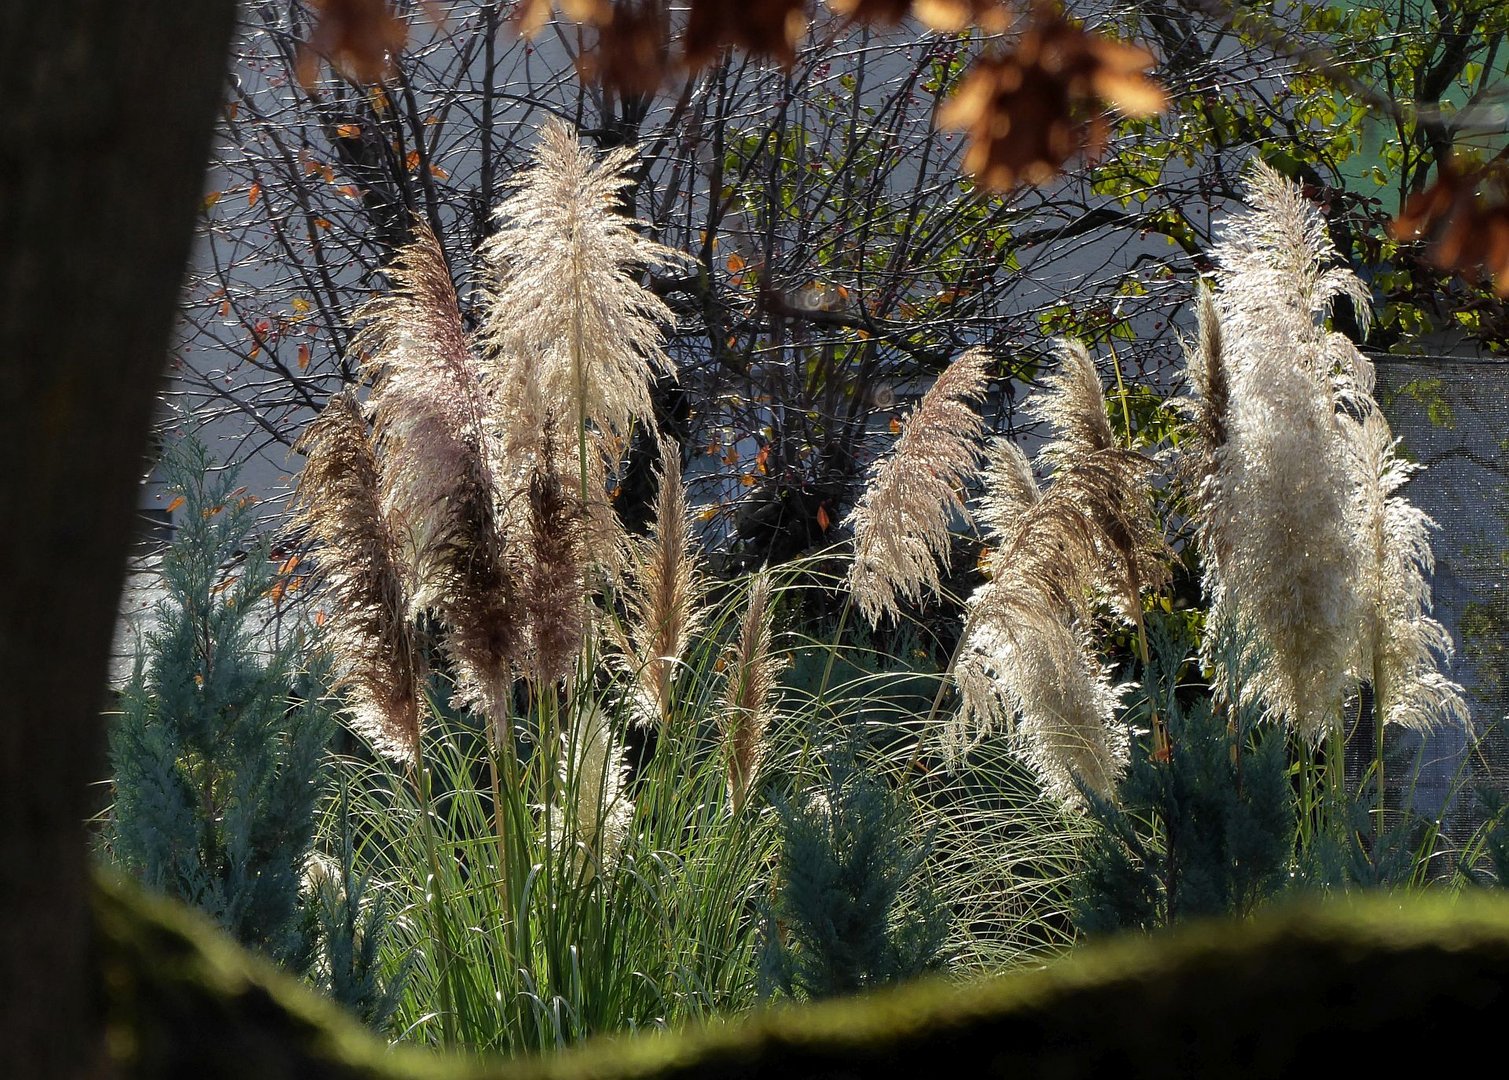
pixel 217 748
pixel 852 909
pixel 1208 830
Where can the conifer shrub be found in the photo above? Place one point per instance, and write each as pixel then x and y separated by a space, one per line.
pixel 216 752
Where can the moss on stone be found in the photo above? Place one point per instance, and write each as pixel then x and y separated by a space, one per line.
pixel 1375 982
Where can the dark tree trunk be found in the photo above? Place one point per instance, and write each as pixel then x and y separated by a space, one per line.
pixel 105 125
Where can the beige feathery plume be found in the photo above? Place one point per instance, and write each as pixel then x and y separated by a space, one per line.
pixel 1207 406
pixel 340 498
pixel 901 523
pixel 1026 661
pixel 1278 520
pixel 438 476
pixel 664 596
pixel 566 308
pixel 1011 489
pixel 594 777
pixel 1118 497
pixel 1041 670
pixel 750 681
pixel 1403 648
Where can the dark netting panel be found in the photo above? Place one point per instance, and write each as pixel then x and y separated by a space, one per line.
pixel 1453 417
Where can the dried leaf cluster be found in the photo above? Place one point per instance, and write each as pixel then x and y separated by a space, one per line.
pixel 1027 110
pixel 1031 109
pixel 1464 220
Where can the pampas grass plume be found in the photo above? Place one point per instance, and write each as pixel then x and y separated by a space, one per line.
pixel 901 533
pixel 365 586
pixel 751 671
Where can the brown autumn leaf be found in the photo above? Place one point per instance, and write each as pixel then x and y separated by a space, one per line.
pixel 531 15
pixel 632 48
pixel 945 16
pixel 358 37
pixel 761 27
pixel 952 16
pixel 1028 111
pixel 1464 219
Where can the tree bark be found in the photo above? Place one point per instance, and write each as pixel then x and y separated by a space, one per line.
pixel 104 134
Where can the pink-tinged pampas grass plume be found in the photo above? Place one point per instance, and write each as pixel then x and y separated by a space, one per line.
pixel 364 581
pixel 901 533
pixel 438 477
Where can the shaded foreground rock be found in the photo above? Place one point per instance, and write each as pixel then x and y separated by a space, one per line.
pixel 1382 981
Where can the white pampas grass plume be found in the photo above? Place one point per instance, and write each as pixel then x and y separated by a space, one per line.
pixel 376 659
pixel 751 671
pixel 438 476
pixel 594 779
pixel 566 308
pixel 1277 516
pixel 901 522
pixel 665 593
pixel 1031 665
pixel 1026 661
pixel 1403 648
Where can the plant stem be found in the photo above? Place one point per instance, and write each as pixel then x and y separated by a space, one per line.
pixel 440 932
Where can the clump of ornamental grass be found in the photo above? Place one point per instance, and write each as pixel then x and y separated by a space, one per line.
pixel 901 523
pixel 365 581
pixel 1306 544
pixel 438 477
pixel 1026 661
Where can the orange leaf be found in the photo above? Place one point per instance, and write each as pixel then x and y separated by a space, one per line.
pixel 210 200
pixel 175 504
pixel 348 131
pixel 823 520
pixel 735 264
pixel 319 618
pixel 289 565
pixel 303 357
pixel 321 223
pixel 328 172
pixel 438 173
pixel 253 194
pixel 895 426
pixel 747 480
pixel 411 160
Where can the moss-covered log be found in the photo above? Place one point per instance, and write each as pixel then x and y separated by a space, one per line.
pixel 1377 982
